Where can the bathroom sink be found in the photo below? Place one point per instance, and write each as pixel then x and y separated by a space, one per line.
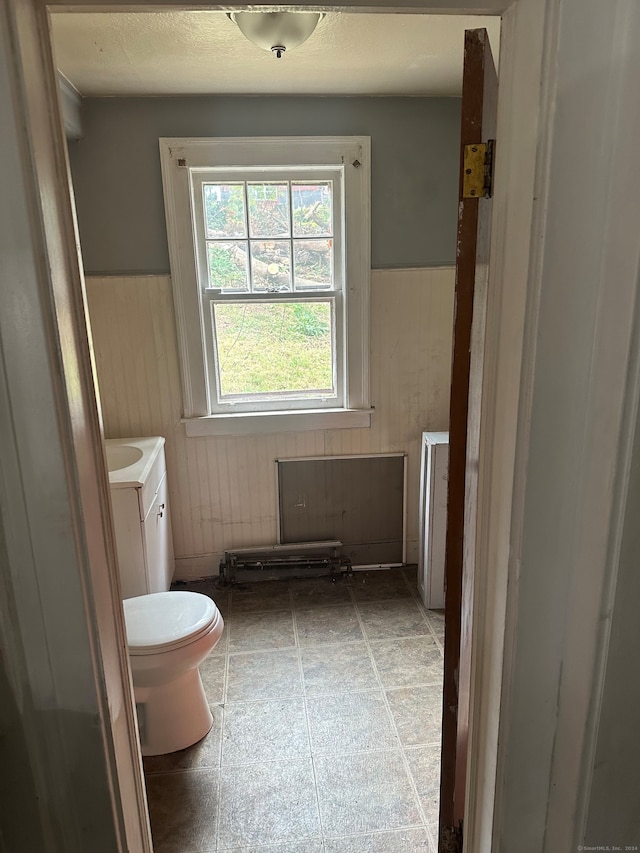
pixel 120 456
pixel 130 461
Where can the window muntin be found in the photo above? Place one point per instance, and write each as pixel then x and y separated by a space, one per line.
pixel 268 235
pixel 265 237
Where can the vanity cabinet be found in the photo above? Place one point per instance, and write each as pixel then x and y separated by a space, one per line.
pixel 143 531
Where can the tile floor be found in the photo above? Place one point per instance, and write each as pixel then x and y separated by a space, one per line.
pixel 326 699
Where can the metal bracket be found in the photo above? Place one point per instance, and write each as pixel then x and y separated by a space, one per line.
pixel 477 170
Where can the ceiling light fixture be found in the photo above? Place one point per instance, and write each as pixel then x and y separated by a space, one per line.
pixel 276 31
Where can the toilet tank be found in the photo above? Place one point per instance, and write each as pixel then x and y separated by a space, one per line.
pixel 140 506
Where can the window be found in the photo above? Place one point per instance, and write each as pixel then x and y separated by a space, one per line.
pixel 269 250
pixel 270 271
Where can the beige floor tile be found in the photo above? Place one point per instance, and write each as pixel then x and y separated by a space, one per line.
pixel 417 712
pixel 435 618
pixel 383 620
pixel 424 764
pixel 267 730
pixel 255 597
pixel 212 673
pixel 183 810
pixel 350 722
pixel 434 830
pixel 320 592
pixel 263 804
pixel 264 675
pixel 402 841
pixel 296 847
pixel 336 669
pixel 364 792
pixel 408 662
pixel 328 625
pixel 411 576
pixel 260 631
pixel 378 586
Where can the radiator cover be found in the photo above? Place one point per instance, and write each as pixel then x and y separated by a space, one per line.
pixel 359 500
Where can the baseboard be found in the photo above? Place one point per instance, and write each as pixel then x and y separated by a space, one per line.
pixel 199 566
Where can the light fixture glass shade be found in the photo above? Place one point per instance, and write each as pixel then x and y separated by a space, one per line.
pixel 276 31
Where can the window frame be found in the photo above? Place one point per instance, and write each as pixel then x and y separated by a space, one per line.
pixel 178 157
pixel 210 296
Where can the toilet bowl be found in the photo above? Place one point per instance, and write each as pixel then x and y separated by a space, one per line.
pixel 169 634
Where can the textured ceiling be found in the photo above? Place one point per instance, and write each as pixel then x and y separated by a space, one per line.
pixel 179 53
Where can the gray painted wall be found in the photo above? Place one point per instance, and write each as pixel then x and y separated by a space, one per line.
pixel 118 188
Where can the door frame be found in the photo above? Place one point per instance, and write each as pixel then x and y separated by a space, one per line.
pixel 526 113
pixel 514 189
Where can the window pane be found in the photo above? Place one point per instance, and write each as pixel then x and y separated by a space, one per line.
pixel 224 213
pixel 275 349
pixel 313 267
pixel 228 265
pixel 312 209
pixel 268 210
pixel 271 265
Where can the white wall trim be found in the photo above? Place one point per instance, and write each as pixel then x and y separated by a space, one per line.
pixel 181 158
pixel 519 113
pixel 267 423
pixel 610 425
pixel 574 427
pixel 71 102
pixel 629 425
pixel 545 56
pixel 428 268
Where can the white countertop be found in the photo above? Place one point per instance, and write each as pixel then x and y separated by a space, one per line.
pixel 134 475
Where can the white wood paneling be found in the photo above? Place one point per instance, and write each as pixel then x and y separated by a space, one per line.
pixel 222 488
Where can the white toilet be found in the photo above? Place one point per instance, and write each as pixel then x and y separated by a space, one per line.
pixel 168 633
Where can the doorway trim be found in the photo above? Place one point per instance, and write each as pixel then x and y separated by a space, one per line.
pixel 523 117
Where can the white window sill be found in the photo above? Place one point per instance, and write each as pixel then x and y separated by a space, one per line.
pixel 245 423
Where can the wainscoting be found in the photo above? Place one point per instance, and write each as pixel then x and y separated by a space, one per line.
pixel 223 489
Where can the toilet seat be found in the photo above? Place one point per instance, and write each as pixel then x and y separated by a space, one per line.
pixel 165 621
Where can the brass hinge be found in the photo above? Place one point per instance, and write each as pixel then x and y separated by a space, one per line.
pixel 477 178
pixel 451 839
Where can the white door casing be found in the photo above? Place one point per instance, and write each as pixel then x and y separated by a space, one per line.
pixel 578 416
pixel 68 692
